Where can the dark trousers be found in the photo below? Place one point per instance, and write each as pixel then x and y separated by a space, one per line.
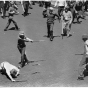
pixel 23 55
pixel 60 10
pixel 4 10
pixel 73 14
pixel 9 22
pixel 26 6
pixel 83 62
pixel 49 28
pixel 47 4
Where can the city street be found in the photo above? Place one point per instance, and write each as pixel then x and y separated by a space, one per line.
pixel 55 63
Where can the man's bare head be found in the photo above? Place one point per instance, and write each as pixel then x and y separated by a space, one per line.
pixel 13 72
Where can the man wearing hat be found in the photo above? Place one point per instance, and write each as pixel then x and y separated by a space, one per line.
pixel 50 21
pixel 22 46
pixel 66 20
pixel 10 70
pixel 84 61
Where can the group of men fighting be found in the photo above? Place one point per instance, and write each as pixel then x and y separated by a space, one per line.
pixel 66 12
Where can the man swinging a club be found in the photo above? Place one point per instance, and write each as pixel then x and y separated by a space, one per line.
pixel 22 46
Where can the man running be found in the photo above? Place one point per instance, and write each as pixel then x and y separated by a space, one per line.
pixel 10 18
pixel 50 21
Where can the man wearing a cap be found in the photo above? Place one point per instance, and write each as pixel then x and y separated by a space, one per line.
pixel 84 60
pixel 67 21
pixel 10 70
pixel 22 46
pixel 50 20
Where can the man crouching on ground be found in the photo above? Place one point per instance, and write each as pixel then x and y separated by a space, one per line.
pixel 10 70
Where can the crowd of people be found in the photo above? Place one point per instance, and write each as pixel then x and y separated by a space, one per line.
pixel 63 11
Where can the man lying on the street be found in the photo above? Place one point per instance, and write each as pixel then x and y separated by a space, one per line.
pixel 10 70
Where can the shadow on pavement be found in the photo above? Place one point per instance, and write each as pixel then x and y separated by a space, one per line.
pixel 33 61
pixel 53 36
pixel 35 72
pixel 21 81
pixel 13 28
pixel 79 54
pixel 36 61
pixel 77 22
pixel 26 15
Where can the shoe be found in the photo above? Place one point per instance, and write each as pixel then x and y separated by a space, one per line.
pixel 27 62
pixel 5 29
pixel 48 36
pixel 23 14
pixel 18 29
pixel 78 22
pixel 80 78
pixel 62 34
pixel 69 34
pixel 51 38
pixel 17 13
pixel 3 17
pixel 22 65
pixel 19 62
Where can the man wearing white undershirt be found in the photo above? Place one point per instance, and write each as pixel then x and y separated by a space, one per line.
pixel 9 69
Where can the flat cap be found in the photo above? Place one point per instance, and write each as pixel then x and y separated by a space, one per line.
pixel 84 36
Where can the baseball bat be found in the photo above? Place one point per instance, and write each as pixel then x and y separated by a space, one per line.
pixel 38 40
pixel 21 81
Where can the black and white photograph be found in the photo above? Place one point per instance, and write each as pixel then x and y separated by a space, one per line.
pixel 43 43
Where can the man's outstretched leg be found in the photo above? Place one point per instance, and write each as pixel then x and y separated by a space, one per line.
pixel 82 68
pixel 15 25
pixel 8 23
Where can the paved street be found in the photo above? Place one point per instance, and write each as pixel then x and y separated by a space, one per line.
pixel 55 63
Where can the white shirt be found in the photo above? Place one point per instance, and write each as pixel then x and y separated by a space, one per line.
pixel 86 46
pixel 9 67
pixel 56 3
pixel 68 15
pixel 4 1
pixel 62 3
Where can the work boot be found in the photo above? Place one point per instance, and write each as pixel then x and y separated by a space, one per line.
pixel 80 78
pixel 26 62
pixel 18 29
pixel 5 29
pixel 22 65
